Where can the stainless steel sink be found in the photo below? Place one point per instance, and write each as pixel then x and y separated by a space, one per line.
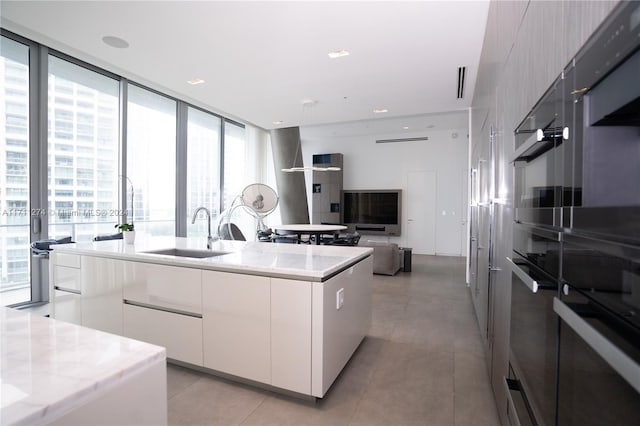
pixel 197 254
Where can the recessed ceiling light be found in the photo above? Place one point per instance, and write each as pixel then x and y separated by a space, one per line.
pixel 380 111
pixel 339 54
pixel 116 42
pixel 278 122
pixel 195 81
pixel 406 127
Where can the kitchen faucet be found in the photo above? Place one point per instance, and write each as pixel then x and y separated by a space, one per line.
pixel 210 239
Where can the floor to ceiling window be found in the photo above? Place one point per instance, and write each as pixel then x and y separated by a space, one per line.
pixel 235 171
pixel 83 151
pixel 238 173
pixel 15 281
pixel 203 168
pixel 151 160
pixel 64 163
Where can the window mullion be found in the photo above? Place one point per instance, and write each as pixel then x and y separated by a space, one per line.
pixel 181 169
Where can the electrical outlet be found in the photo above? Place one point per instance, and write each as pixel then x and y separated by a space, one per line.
pixel 339 298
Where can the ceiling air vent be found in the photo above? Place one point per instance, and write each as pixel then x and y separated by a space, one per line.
pixel 423 138
pixel 461 72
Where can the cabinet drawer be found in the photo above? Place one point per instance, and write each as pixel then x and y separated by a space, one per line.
pixel 177 289
pixel 66 278
pixel 69 260
pixel 67 307
pixel 180 334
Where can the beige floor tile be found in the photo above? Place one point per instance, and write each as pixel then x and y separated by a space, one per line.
pixel 214 401
pixel 422 363
pixel 404 406
pixel 179 379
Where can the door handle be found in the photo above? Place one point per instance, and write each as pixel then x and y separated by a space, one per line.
pixel 529 282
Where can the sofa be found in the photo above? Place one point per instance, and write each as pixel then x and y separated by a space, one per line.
pixel 387 257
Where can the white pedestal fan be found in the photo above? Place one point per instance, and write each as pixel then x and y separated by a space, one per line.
pixel 257 199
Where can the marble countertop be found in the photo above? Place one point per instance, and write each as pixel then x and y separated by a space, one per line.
pixel 48 368
pixel 293 261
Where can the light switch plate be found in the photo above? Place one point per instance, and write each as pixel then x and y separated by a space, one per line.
pixel 339 298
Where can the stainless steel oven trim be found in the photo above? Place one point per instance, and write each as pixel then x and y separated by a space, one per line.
pixel 547 216
pixel 537 416
pixel 530 142
pixel 613 248
pixel 617 359
pixel 511 406
pixel 541 232
pixel 524 277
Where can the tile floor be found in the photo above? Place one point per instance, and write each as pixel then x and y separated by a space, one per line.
pixel 421 364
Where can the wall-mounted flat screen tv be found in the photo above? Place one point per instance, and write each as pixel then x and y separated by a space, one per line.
pixel 375 212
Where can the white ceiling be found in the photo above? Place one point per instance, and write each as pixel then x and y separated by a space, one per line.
pixel 391 127
pixel 261 60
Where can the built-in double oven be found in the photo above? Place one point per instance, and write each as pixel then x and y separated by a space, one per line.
pixel 535 281
pixel 575 265
pixel 599 340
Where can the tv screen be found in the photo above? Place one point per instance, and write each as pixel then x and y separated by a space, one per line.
pixel 377 211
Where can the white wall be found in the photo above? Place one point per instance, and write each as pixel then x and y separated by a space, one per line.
pixel 369 165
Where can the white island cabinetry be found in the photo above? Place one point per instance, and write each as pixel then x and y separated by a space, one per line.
pixel 87 291
pixel 285 317
pixel 236 325
pixel 66 292
pixel 102 293
pixel 291 335
pixel 163 306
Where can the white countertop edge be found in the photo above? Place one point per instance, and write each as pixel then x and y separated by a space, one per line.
pixel 36 412
pixel 219 263
pixel 70 402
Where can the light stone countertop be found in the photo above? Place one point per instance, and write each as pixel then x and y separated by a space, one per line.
pixel 292 261
pixel 49 368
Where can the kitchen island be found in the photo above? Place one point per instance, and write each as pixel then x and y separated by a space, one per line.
pixel 53 372
pixel 284 316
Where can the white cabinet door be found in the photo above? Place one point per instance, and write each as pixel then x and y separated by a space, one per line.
pixel 236 324
pixel 102 293
pixel 180 334
pixel 66 307
pixel 176 289
pixel 291 335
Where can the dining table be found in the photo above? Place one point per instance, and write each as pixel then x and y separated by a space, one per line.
pixel 315 231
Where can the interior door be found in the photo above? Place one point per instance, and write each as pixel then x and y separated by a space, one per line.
pixel 449 211
pixel 421 211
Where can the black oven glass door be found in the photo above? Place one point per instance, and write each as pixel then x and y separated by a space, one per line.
pixel 538 162
pixel 594 389
pixel 538 246
pixel 599 362
pixel 602 111
pixel 533 338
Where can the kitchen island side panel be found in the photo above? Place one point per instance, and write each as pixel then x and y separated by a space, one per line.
pixel 339 327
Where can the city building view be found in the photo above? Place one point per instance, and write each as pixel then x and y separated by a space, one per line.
pixel 80 195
